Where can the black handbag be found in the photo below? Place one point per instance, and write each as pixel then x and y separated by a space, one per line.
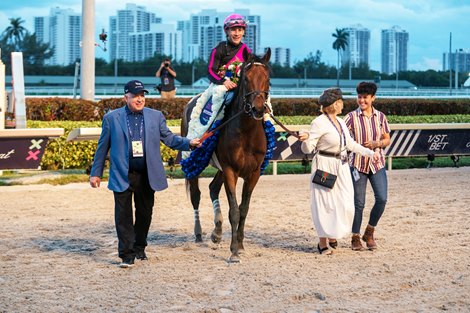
pixel 324 179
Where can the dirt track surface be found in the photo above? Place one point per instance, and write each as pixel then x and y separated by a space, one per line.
pixel 59 252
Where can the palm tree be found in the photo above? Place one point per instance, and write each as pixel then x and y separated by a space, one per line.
pixel 14 33
pixel 340 43
pixel 34 52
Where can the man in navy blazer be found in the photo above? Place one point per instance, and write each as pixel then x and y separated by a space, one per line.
pixel 132 136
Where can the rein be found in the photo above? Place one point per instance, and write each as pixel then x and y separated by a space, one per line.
pixel 290 132
pixel 209 133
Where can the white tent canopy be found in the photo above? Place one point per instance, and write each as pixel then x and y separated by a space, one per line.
pixel 467 83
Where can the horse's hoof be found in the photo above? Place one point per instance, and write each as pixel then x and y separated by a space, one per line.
pixel 234 259
pixel 215 238
pixel 198 238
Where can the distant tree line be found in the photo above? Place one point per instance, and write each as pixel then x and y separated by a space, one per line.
pixel 17 38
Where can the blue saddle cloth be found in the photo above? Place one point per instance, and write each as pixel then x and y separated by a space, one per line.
pixel 199 158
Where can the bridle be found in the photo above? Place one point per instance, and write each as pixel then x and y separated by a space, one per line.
pixel 248 98
pixel 248 106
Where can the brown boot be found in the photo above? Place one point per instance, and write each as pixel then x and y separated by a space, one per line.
pixel 356 243
pixel 369 238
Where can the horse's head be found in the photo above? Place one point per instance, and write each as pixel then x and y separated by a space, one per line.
pixel 254 87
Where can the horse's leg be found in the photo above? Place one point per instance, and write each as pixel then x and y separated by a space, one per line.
pixel 230 182
pixel 195 194
pixel 214 188
pixel 248 187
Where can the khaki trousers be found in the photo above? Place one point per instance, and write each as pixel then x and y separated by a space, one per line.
pixel 168 94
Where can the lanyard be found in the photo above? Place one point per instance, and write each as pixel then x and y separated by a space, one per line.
pixel 141 128
pixel 342 136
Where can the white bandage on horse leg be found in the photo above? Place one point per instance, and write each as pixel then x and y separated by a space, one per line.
pixel 216 206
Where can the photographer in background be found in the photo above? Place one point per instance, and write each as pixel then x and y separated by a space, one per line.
pixel 167 76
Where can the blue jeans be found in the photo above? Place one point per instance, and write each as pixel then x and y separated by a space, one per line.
pixel 379 184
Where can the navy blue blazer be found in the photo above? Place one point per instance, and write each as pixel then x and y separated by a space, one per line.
pixel 115 139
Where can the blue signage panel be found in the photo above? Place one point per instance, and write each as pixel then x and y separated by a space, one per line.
pixel 429 141
pixel 414 142
pixel 403 143
pixel 21 153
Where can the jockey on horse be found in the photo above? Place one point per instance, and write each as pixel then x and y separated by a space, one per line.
pixel 223 70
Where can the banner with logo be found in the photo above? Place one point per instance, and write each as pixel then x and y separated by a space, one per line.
pixel 21 153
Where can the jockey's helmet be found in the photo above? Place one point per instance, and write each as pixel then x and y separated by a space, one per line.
pixel 234 20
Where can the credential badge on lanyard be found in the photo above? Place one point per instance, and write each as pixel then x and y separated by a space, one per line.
pixel 137 148
pixel 137 145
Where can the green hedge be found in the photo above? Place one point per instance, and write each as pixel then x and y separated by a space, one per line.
pixel 392 119
pixel 70 114
pixel 60 109
pixel 60 154
pixel 401 107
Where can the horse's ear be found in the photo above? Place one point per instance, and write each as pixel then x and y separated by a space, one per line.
pixel 246 54
pixel 267 55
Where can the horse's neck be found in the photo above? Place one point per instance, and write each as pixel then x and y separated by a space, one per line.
pixel 243 125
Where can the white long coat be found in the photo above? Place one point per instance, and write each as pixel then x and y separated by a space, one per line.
pixel 332 209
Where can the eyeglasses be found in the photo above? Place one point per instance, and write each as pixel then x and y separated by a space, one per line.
pixel 235 22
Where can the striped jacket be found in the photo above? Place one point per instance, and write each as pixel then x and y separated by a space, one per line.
pixel 363 129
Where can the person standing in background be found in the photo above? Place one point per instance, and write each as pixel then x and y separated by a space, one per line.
pixel 167 76
pixel 370 128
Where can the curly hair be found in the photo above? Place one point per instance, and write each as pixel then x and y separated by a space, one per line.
pixel 366 88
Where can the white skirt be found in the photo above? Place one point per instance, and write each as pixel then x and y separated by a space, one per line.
pixel 332 209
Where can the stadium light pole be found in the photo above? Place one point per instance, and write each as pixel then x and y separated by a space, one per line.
pixel 456 58
pixel 450 63
pixel 87 77
pixel 396 61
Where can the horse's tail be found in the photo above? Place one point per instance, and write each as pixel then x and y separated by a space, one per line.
pixel 187 184
pixel 187 115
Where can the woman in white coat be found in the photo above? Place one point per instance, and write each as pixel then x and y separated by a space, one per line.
pixel 332 209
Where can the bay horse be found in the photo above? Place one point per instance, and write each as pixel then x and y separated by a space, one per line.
pixel 240 151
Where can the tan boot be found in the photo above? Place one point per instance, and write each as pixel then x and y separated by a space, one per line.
pixel 369 238
pixel 356 243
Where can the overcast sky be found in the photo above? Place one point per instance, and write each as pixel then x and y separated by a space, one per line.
pixel 302 25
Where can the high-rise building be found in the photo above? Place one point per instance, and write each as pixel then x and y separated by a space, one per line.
pixel 205 30
pixel 161 39
pixel 394 50
pixel 280 56
pixel 62 29
pixel 460 60
pixel 357 49
pixel 188 51
pixel 41 28
pixel 136 35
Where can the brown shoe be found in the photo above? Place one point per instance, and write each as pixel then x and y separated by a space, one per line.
pixel 356 243
pixel 369 238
